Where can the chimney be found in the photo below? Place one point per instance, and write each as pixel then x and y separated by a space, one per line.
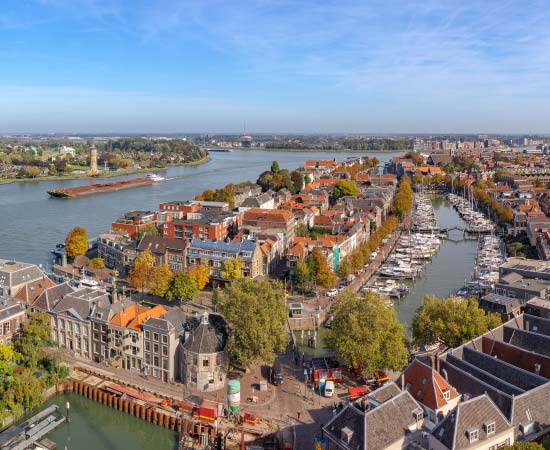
pixel 402 381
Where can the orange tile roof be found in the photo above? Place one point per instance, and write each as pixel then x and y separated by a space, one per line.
pixel 133 316
pixel 31 291
pixel 282 215
pixel 426 385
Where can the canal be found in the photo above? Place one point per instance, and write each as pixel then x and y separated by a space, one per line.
pixel 95 426
pixel 32 223
pixel 451 266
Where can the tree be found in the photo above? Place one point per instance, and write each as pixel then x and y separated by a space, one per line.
pixel 76 242
pixel 297 180
pixel 98 263
pixel 182 287
pixel 140 274
pixel 8 358
pixel 403 200
pixel 149 230
pixel 34 337
pixel 24 392
pixel 256 314
pixel 215 297
pixel 33 172
pixel 231 268
pixel 161 278
pixel 345 188
pixel 200 276
pixel 514 248
pixel 324 276
pixel 302 276
pixel 451 321
pixel 525 446
pixel 275 167
pixel 366 333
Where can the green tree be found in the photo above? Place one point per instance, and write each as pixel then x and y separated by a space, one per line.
pixel 526 446
pixel 256 314
pixel 149 230
pixel 514 248
pixel 275 167
pixel 366 333
pixel 98 263
pixel 140 275
pixel 200 276
pixel 182 287
pixel 8 359
pixel 76 242
pixel 231 268
pixel 345 188
pixel 451 321
pixel 302 276
pixel 215 297
pixel 161 278
pixel 33 172
pixel 34 337
pixel 403 200
pixel 24 392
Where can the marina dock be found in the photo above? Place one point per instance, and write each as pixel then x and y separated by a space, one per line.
pixel 26 434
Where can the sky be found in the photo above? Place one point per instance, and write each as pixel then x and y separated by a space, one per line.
pixel 281 66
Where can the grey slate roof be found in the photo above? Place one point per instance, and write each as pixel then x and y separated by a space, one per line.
pixel 208 337
pixel 51 296
pixel 9 308
pixel 14 273
pixel 380 425
pixel 231 248
pixel 471 414
pixel 159 245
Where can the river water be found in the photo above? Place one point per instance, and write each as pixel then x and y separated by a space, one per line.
pixel 32 223
pixel 451 266
pixel 95 426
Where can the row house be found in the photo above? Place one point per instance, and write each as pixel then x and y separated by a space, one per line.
pixel 31 291
pixel 12 316
pixel 213 254
pixel 272 219
pixel 69 319
pixel 240 194
pixel 134 221
pixel 125 329
pixel 162 338
pixel 263 201
pixel 117 250
pixel 179 209
pixel 166 251
pixel 15 275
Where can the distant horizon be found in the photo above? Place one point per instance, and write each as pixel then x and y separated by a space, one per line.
pixel 284 67
pixel 7 134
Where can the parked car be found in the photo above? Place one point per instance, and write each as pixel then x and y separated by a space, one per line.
pixel 332 292
pixel 276 374
pixel 329 389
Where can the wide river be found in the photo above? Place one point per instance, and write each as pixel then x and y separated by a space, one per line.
pixel 32 223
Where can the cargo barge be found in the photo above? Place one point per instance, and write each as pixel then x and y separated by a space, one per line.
pixel 99 188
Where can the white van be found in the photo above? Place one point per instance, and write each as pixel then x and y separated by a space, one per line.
pixel 329 388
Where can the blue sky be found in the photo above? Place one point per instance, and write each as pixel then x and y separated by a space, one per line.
pixel 279 66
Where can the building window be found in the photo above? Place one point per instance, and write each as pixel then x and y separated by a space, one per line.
pixel 447 394
pixel 489 427
pixel 165 363
pixel 7 327
pixel 147 335
pixel 205 362
pixel 165 339
pixel 156 361
pixel 155 348
pixel 473 434
pixel 147 346
pixel 155 337
pixel 164 350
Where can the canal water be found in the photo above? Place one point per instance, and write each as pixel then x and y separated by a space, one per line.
pixel 32 223
pixel 451 266
pixel 94 426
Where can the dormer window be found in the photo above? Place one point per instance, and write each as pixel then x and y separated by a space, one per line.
pixel 424 380
pixel 473 434
pixel 447 394
pixel 489 427
pixel 418 414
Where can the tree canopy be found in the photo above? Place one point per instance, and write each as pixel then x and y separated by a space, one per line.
pixel 182 287
pixel 76 242
pixel 200 275
pixel 33 338
pixel 141 273
pixel 161 278
pixel 403 201
pixel 345 188
pixel 256 314
pixel 366 333
pixel 451 321
pixel 319 269
pixel 231 268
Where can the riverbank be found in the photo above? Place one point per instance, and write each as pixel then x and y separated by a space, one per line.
pixel 319 150
pixel 118 173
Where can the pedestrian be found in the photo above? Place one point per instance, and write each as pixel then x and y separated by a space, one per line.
pixel 296 359
pixel 298 414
